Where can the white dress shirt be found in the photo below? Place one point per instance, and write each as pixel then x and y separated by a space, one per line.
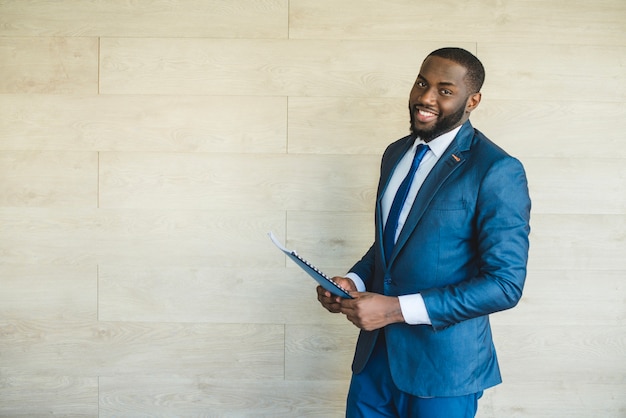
pixel 412 306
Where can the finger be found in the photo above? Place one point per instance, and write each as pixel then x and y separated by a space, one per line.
pixel 321 292
pixel 332 307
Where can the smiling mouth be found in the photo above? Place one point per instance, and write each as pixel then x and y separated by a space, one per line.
pixel 425 116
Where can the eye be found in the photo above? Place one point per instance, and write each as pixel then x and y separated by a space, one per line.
pixel 446 92
pixel 421 84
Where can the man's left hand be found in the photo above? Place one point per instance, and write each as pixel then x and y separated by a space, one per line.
pixel 371 311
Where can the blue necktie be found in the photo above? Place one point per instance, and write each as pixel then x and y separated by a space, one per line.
pixel 389 234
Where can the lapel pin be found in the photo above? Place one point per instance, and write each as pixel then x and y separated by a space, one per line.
pixel 457 159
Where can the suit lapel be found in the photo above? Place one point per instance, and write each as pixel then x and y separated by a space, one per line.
pixel 452 159
pixel 387 170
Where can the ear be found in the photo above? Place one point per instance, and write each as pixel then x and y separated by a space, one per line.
pixel 472 102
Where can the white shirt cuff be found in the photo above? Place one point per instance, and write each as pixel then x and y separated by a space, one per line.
pixel 414 309
pixel 358 282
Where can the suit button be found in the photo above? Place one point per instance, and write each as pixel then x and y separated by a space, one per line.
pixel 387 279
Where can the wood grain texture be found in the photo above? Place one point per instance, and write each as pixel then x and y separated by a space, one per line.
pixel 49 65
pixel 329 125
pixel 147 147
pixel 260 67
pixel 34 395
pixel 152 18
pixel 73 237
pixel 577 185
pixel 333 239
pixel 191 396
pixel 48 179
pixel 210 294
pixel 524 128
pixel 553 129
pixel 222 124
pixel 89 348
pixel 518 21
pixel 40 236
pixel 555 72
pixel 320 352
pixel 543 363
pixel 567 352
pixel 569 298
pixel 54 293
pixel 552 399
pixel 234 182
pixel 578 242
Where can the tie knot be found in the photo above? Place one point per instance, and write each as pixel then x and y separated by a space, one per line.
pixel 420 151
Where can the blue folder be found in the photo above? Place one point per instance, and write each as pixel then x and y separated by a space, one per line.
pixel 321 278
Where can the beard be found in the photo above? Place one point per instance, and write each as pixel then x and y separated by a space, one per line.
pixel 443 125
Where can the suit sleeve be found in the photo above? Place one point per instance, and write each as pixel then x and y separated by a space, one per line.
pixel 502 226
pixel 364 268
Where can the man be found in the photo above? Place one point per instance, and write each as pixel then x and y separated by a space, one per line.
pixel 450 248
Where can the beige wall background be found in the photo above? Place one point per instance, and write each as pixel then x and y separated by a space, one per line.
pixel 147 147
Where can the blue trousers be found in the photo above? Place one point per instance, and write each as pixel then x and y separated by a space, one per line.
pixel 373 394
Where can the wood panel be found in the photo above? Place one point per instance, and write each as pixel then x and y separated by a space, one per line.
pixel 88 348
pixel 518 21
pixel 56 292
pixel 577 185
pixel 553 129
pixel 143 123
pixel 194 238
pixel 543 365
pixel 35 396
pixel 567 352
pixel 555 72
pixel 524 128
pixel 569 298
pixel 157 18
pixel 48 179
pixel 345 125
pixel 205 294
pixel 578 242
pixel 574 397
pixel 146 149
pixel 260 67
pixel 333 240
pixel 49 65
pixel 42 236
pixel 320 352
pixel 191 396
pixel 223 182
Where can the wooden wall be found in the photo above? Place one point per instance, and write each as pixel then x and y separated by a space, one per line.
pixel 147 147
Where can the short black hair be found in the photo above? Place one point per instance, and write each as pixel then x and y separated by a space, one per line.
pixel 475 76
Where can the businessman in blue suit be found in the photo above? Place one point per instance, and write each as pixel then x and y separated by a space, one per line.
pixel 451 247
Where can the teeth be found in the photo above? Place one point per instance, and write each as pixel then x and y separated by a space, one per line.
pixel 426 113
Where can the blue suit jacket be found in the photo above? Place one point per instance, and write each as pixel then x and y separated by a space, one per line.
pixel 464 247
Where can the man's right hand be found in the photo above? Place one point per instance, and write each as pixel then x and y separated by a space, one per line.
pixel 331 302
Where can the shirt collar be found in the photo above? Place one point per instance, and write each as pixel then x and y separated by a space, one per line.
pixel 441 143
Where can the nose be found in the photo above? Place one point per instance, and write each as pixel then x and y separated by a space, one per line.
pixel 424 96
pixel 427 96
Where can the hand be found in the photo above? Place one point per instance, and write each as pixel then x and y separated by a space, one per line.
pixel 371 311
pixel 331 302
